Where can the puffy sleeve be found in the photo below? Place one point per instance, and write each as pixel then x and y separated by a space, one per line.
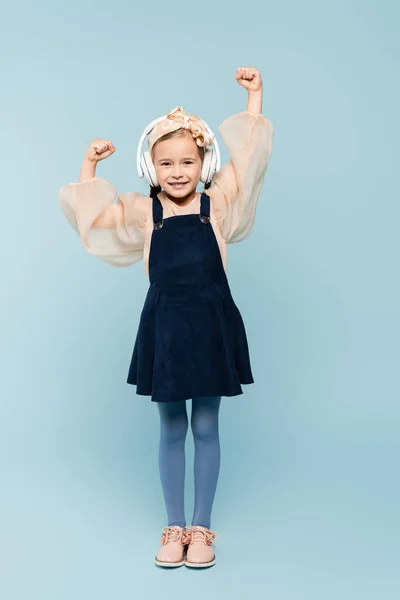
pixel 112 231
pixel 237 186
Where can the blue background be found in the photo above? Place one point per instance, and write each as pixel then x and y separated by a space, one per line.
pixel 308 497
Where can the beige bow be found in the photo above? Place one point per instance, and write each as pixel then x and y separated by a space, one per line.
pixel 178 119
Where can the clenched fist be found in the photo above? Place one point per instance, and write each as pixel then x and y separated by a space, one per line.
pixel 99 149
pixel 249 78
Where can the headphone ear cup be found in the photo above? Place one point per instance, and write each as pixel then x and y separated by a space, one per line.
pixel 149 171
pixel 209 165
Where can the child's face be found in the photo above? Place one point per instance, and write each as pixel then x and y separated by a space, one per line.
pixel 178 165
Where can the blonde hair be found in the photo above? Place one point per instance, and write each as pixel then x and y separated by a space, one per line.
pixel 177 133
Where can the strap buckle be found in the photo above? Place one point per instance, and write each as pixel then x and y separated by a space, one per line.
pixel 158 224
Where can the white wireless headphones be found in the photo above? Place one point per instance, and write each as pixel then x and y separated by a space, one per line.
pixel 145 165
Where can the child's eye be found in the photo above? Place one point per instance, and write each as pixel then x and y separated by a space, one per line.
pixel 187 162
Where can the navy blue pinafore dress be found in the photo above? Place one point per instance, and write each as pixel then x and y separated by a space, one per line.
pixel 191 339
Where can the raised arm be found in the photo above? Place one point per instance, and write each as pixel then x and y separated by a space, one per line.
pixel 98 150
pixel 248 137
pixel 250 79
pixel 113 232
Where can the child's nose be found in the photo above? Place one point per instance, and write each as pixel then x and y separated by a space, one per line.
pixel 177 171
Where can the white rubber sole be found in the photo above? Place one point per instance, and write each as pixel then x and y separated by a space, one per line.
pixel 170 565
pixel 200 565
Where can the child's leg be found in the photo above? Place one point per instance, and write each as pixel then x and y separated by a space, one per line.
pixel 173 429
pixel 204 423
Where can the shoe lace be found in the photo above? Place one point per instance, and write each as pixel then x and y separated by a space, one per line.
pixel 199 534
pixel 172 534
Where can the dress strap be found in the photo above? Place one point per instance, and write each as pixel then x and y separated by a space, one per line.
pixel 204 208
pixel 158 221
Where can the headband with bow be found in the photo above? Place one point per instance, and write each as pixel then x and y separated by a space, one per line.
pixel 178 119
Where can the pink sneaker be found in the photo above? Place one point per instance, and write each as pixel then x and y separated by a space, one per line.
pixel 171 553
pixel 200 552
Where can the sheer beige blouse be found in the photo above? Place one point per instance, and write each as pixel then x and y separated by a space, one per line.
pixel 120 232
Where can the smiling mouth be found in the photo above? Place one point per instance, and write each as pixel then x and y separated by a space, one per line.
pixel 179 185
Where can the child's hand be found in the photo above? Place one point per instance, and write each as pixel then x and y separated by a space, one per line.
pixel 249 78
pixel 99 149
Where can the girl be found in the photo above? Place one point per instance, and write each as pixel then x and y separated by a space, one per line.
pixel 191 342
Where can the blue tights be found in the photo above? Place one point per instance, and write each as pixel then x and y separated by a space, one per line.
pixel 173 430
